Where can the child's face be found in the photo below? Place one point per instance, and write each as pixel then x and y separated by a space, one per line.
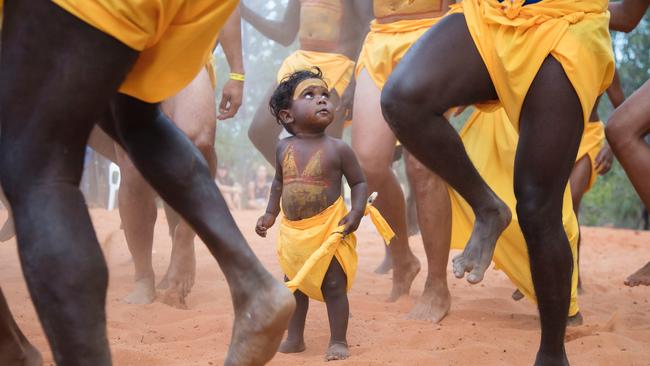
pixel 311 110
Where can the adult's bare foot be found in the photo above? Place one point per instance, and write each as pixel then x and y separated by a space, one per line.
pixel 291 346
pixel 477 255
pixel 517 295
pixel 385 266
pixel 262 313
pixel 337 351
pixel 180 277
pixel 575 320
pixel 640 277
pixel 7 232
pixel 403 278
pixel 433 305
pixel 143 293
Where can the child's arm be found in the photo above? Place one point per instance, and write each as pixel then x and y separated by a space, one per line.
pixel 358 187
pixel 273 208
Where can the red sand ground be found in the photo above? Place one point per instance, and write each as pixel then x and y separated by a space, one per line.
pixel 484 325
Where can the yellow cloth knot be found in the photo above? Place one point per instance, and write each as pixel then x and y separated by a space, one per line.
pixel 511 8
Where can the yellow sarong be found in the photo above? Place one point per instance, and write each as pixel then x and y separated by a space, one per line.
pixel 491 142
pixel 386 44
pixel 174 37
pixel 514 39
pixel 593 139
pixel 337 68
pixel 306 248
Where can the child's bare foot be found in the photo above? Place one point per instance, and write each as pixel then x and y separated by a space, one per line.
pixel 477 256
pixel 575 320
pixel 337 351
pixel 403 278
pixel 262 313
pixel 143 293
pixel 385 266
pixel 433 305
pixel 640 277
pixel 292 346
pixel 517 295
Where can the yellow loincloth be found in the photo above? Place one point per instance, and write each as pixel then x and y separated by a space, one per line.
pixel 174 37
pixel 514 40
pixel 593 139
pixel 306 248
pixel 386 44
pixel 337 68
pixel 212 71
pixel 491 142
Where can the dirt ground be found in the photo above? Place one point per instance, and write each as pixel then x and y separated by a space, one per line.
pixel 484 324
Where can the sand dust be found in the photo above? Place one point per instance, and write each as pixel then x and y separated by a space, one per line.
pixel 484 325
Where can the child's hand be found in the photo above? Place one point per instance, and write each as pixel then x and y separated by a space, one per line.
pixel 351 222
pixel 263 223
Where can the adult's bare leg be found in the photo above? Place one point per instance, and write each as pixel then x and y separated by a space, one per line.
pixel 548 143
pixel 374 143
pixel 180 175
pixel 264 129
pixel 15 349
pixel 54 84
pixel 579 181
pixel 193 110
pixel 434 218
pixel 138 211
pixel 625 131
pixel 414 104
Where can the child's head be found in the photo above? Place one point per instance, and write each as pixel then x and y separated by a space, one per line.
pixel 301 102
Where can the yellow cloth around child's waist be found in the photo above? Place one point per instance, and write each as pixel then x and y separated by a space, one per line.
pixel 306 248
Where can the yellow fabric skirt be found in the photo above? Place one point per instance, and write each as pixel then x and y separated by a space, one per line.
pixel 306 247
pixel 491 143
pixel 593 139
pixel 174 37
pixel 514 40
pixel 386 44
pixel 337 68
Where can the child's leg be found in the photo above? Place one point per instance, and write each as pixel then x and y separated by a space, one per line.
pixel 295 341
pixel 334 289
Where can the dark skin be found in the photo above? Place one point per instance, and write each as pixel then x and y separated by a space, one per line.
pixel 414 103
pixel 67 73
pixel 264 131
pixel 15 349
pixel 629 124
pixel 308 118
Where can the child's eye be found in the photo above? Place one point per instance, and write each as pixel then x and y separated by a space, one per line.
pixel 309 95
pixel 326 95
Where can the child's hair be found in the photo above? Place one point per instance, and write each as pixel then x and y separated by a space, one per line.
pixel 283 95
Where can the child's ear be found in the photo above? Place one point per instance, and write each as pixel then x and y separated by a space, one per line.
pixel 286 116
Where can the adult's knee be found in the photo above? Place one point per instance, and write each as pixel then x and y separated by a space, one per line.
pixel 618 134
pixel 334 287
pixel 375 170
pixel 403 96
pixel 536 212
